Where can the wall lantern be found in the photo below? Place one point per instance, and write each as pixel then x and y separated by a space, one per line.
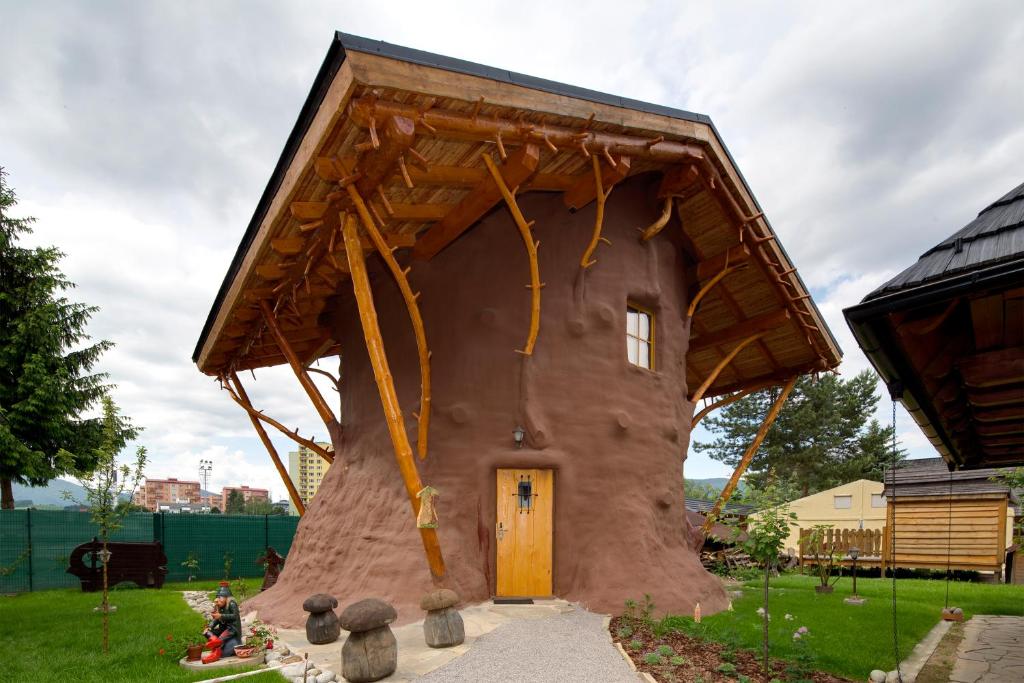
pixel 517 434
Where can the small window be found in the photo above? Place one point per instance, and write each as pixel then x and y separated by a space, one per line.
pixel 640 337
pixel 877 500
pixel 843 502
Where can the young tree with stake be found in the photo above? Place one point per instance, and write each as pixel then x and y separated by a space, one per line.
pixel 104 486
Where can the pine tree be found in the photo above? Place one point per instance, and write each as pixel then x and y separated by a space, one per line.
pixel 46 362
pixel 824 435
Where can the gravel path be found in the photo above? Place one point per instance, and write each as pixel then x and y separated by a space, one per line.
pixel 567 647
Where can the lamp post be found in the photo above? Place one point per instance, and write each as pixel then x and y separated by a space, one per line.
pixel 205 467
pixel 854 554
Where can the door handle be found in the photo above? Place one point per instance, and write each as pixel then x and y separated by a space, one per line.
pixel 499 531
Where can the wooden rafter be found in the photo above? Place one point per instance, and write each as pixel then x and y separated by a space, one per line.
pixel 519 166
pixel 531 253
pixel 464 126
pixel 762 432
pixel 386 389
pixel 386 253
pixel 287 480
pixel 709 285
pixel 758 323
pixel 293 435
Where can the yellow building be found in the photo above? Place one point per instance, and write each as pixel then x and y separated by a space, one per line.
pixel 856 505
pixel 307 470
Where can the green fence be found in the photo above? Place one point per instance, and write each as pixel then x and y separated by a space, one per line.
pixel 35 544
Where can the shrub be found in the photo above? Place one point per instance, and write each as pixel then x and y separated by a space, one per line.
pixel 677 660
pixel 624 632
pixel 726 668
pixel 665 650
pixel 652 658
pixel 636 645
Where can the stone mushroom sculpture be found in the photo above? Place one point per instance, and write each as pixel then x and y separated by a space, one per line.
pixel 443 626
pixel 370 652
pixel 322 624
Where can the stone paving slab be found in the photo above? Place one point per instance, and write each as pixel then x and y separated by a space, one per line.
pixel 992 650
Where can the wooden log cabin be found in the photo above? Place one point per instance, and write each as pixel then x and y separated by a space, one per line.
pixel 530 287
pixel 942 519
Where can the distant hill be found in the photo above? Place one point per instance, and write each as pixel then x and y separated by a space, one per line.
pixel 49 494
pixel 715 482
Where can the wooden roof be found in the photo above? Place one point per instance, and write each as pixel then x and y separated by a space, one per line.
pixel 409 129
pixel 948 334
pixel 932 477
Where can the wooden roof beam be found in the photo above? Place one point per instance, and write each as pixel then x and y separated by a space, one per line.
pixel 465 126
pixel 993 368
pixel 331 169
pixel 710 267
pixel 515 170
pixel 398 137
pixel 759 323
pixel 996 397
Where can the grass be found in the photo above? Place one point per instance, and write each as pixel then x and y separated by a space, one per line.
pixel 848 640
pixel 55 636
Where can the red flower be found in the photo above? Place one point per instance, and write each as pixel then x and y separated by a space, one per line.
pixel 162 651
pixel 169 637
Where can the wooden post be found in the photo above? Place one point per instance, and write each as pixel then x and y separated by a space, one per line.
pixel 726 494
pixel 326 414
pixel 292 493
pixel 419 333
pixel 386 388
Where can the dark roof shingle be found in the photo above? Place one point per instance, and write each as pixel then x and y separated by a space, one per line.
pixel 995 236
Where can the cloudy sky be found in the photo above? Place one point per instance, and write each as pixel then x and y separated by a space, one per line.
pixel 141 135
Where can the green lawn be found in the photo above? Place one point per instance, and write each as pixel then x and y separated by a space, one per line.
pixel 847 640
pixel 55 636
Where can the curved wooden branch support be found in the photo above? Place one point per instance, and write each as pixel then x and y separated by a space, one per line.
pixel 707 287
pixel 325 412
pixel 726 494
pixel 334 380
pixel 386 388
pixel 699 394
pixel 531 252
pixel 601 196
pixel 658 225
pixel 722 402
pixel 294 436
pixel 386 253
pixel 293 494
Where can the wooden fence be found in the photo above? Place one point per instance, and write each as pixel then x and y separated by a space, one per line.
pixel 870 542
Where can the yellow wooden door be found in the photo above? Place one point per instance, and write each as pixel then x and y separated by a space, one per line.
pixel 523 532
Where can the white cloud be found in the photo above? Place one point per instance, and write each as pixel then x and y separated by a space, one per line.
pixel 142 135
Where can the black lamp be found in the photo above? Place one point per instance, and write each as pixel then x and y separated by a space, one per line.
pixel 854 552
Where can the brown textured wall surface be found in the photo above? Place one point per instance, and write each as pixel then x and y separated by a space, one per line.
pixel 615 434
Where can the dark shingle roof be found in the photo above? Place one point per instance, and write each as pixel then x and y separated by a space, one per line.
pixel 931 477
pixel 995 236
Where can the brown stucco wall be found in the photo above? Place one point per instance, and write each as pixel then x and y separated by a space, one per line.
pixel 616 435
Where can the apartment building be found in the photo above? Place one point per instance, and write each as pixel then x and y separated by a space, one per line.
pixel 307 470
pixel 247 493
pixel 155 491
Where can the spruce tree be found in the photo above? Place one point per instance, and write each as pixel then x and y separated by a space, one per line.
pixel 47 383
pixel 824 435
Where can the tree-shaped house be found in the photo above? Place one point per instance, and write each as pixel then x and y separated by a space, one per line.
pixel 530 287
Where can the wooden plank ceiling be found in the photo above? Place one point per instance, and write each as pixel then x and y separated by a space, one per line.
pixel 416 158
pixel 969 354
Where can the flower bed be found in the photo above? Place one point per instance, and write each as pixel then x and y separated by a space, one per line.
pixel 677 656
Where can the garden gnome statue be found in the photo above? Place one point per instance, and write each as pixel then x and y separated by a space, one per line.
pixel 322 625
pixel 224 633
pixel 271 562
pixel 443 626
pixel 370 652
